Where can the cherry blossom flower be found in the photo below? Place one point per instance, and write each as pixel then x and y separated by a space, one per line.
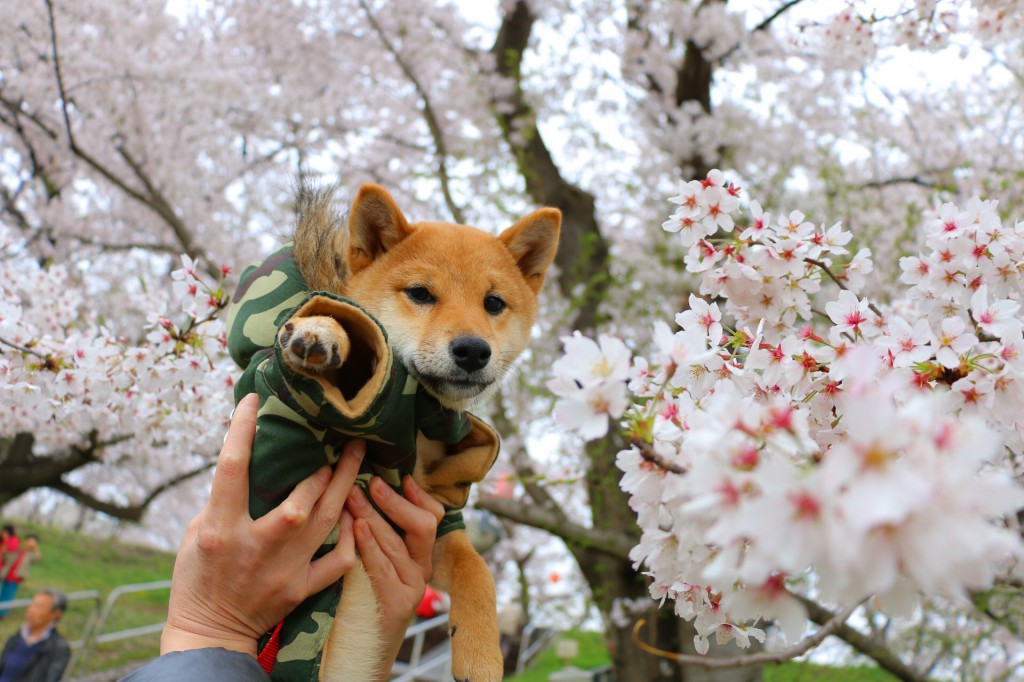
pixel 848 313
pixel 702 315
pixel 998 319
pixel 908 345
pixel 842 452
pixel 953 341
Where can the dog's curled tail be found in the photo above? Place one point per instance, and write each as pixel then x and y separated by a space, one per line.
pixel 320 238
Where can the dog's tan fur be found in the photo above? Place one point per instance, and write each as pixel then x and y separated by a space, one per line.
pixel 381 261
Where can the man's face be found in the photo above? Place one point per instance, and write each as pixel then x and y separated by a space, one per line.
pixel 40 612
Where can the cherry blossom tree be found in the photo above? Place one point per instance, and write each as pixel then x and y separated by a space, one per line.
pixel 147 154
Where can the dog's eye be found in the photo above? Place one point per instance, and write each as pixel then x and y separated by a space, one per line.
pixel 420 295
pixel 494 305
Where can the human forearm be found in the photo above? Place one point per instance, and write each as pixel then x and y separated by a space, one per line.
pixel 178 638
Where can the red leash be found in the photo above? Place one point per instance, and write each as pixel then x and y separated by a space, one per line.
pixel 268 656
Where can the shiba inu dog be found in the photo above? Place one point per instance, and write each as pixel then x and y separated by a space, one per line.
pixel 457 305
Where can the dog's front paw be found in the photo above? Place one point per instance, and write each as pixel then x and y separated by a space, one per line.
pixel 314 344
pixel 476 657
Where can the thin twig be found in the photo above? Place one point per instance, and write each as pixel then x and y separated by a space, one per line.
pixel 839 282
pixel 23 349
pixel 60 78
pixel 155 199
pixel 763 26
pixel 908 180
pixel 648 453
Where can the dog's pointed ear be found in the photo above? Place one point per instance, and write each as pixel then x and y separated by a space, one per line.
pixel 375 225
pixel 533 242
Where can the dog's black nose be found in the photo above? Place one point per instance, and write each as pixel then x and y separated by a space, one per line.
pixel 470 353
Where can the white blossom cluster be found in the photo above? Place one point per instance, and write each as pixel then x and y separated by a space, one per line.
pixel 66 377
pixel 872 449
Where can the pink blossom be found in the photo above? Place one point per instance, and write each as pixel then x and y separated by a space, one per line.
pixel 908 345
pixel 953 341
pixel 848 313
pixel 999 319
pixel 704 316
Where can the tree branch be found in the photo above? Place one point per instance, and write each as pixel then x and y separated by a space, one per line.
pixel 767 21
pixel 163 208
pixel 521 462
pixel 155 201
pixel 648 453
pixel 839 283
pixel 608 542
pixel 743 660
pixel 132 513
pixel 56 69
pixel 905 180
pixel 23 470
pixel 763 26
pixel 440 148
pixel 868 646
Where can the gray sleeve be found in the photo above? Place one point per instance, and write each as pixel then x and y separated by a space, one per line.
pixel 200 665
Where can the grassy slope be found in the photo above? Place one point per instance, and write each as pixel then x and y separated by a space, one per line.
pixel 73 562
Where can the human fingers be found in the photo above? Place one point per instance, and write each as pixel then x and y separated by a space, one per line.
pixel 376 562
pixel 230 490
pixel 329 568
pixel 418 522
pixel 328 508
pixel 291 516
pixel 386 538
pixel 421 498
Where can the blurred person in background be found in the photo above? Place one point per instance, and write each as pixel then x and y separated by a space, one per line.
pixel 37 652
pixel 16 566
pixel 9 546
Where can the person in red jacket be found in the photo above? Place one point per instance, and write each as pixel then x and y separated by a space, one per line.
pixel 10 545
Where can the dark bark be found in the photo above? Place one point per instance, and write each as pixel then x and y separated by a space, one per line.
pixel 23 470
pixel 583 252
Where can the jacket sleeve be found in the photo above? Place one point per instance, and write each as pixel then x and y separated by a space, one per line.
pixel 304 419
pixel 200 665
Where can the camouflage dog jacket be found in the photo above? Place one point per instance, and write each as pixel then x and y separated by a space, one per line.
pixel 304 421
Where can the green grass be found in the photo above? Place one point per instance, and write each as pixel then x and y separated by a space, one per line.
pixel 73 562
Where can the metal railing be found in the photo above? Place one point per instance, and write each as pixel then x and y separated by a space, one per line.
pixel 534 640
pixel 418 666
pixel 95 635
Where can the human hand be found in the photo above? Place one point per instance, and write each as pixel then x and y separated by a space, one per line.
pixel 236 578
pixel 399 568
